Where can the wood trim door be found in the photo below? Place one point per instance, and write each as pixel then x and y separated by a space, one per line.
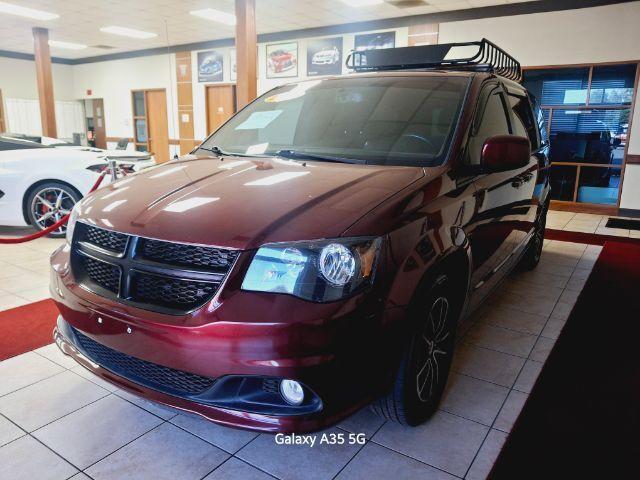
pixel 158 124
pixel 221 105
pixel 99 128
pixel 3 125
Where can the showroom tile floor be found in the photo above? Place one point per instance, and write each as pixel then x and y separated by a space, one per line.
pixel 57 420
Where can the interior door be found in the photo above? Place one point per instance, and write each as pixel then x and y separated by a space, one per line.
pixel 100 129
pixel 221 105
pixel 158 124
pixel 494 228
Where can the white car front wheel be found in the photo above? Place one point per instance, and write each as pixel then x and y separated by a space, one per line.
pixel 50 202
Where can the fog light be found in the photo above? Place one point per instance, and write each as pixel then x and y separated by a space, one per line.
pixel 292 392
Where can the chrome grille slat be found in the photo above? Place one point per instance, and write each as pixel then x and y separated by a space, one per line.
pixel 149 274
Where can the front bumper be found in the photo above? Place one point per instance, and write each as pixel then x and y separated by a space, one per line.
pixel 341 357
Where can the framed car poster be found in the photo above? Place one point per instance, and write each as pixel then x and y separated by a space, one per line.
pixel 369 41
pixel 210 66
pixel 324 56
pixel 282 60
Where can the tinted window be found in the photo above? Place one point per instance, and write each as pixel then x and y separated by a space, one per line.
pixel 385 120
pixel 524 123
pixel 490 121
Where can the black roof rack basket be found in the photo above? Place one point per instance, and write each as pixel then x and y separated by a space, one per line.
pixel 489 58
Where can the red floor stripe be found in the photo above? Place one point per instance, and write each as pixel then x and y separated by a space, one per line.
pixel 26 328
pixel 590 238
pixel 582 417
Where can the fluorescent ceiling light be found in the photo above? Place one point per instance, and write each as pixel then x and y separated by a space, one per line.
pixel 26 12
pixel 215 15
pixel 67 45
pixel 362 3
pixel 128 32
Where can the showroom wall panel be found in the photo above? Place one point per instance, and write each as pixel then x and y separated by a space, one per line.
pixel 114 80
pixel 22 81
pixel 588 35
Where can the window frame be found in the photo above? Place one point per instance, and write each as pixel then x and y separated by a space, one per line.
pixel 573 204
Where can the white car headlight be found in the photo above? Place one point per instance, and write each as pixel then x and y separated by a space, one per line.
pixel 319 270
pixel 71 223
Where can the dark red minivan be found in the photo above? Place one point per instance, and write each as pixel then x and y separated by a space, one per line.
pixel 316 252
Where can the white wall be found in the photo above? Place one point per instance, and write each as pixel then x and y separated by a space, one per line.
pixel 113 82
pixel 588 35
pixel 18 79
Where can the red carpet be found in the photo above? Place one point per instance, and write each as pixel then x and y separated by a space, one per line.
pixel 26 328
pixel 582 419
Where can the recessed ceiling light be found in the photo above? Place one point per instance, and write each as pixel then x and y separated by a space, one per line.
pixel 26 12
pixel 362 3
pixel 67 45
pixel 128 32
pixel 215 15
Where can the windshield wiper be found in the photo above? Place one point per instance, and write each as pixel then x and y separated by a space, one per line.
pixel 218 151
pixel 296 155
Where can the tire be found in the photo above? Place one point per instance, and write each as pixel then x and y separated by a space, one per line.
pixel 531 257
pixel 424 369
pixel 48 203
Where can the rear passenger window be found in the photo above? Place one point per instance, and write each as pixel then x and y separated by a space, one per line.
pixel 490 122
pixel 524 123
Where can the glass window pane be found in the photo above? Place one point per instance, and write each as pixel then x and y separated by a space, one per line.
pixel 524 123
pixel 141 130
pixel 599 185
pixel 138 104
pixel 141 148
pixel 563 182
pixel 612 85
pixel 558 86
pixel 589 136
pixel 492 122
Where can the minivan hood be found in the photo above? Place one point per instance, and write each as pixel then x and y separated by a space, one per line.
pixel 243 202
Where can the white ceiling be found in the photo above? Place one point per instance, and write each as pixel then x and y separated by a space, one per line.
pixel 80 20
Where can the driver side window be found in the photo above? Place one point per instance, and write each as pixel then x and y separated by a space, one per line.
pixel 492 120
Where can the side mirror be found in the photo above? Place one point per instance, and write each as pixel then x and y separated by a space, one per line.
pixel 505 152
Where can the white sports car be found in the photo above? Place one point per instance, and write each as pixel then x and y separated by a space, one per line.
pixel 40 184
pixel 330 56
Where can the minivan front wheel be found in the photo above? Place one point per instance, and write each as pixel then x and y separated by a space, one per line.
pixel 425 366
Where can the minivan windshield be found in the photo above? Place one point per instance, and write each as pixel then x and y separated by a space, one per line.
pixel 386 120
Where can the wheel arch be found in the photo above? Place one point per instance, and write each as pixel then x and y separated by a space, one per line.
pixel 32 187
pixel 456 265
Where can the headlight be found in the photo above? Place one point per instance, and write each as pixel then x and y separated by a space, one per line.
pixel 71 223
pixel 320 270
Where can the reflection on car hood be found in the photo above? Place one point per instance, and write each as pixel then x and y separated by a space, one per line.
pixel 243 202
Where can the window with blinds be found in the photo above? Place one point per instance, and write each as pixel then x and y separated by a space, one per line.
pixel 586 113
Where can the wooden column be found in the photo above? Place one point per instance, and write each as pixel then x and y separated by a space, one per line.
pixel 246 52
pixel 185 102
pixel 45 82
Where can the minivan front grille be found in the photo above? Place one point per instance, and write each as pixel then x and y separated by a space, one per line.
pixel 217 259
pixel 171 291
pixel 104 274
pixel 152 375
pixel 155 275
pixel 113 241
